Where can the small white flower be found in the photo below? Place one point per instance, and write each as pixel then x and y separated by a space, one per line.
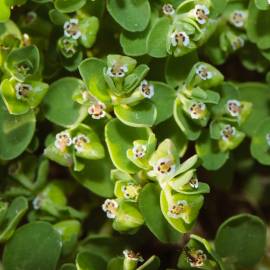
pixel 62 140
pixel 97 110
pixel 178 210
pixel 117 71
pixel 237 43
pixel 227 132
pixel 79 142
pixel 197 110
pixel 71 29
pixel 133 256
pixel 168 9
pixel 179 38
pixel 110 208
pixel 234 107
pixel 147 90
pixel 196 258
pixel 267 137
pixel 237 18
pixel 194 183
pixel 131 191
pixel 22 90
pixel 201 13
pixel 204 73
pixel 139 150
pixel 164 166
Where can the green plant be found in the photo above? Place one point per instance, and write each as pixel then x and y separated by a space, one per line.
pixel 117 117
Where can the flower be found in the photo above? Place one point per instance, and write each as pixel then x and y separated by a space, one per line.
pixel 197 110
pixel 63 140
pixel 237 18
pixel 164 166
pixel 168 9
pixel 139 150
pixel 178 210
pixel 196 258
pixel 131 255
pixel 131 191
pixel 201 13
pixel 268 138
pixel 97 110
pixel 147 90
pixel 194 183
pixel 79 142
pixel 110 208
pixel 227 132
pixel 179 38
pixel 237 43
pixel 117 71
pixel 22 90
pixel 68 45
pixel 204 73
pixel 71 29
pixel 234 107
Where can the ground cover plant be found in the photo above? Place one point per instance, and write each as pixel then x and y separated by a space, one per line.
pixel 134 134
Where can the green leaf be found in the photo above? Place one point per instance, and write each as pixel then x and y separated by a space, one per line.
pixel 157 38
pixel 149 204
pixel 89 27
pixel 241 239
pixel 59 107
pixel 91 71
pixel 143 114
pixel 69 231
pixel 177 68
pixel 119 139
pixel 209 152
pixel 262 4
pixel 96 176
pixel 89 261
pixel 68 6
pixel 16 132
pixel 5 12
pixel 260 144
pixel 23 62
pixel 12 217
pixel 133 16
pixel 258 94
pixel 164 109
pixel 188 127
pixel 25 252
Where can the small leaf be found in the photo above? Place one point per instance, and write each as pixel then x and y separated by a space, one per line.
pixel 119 139
pixel 133 16
pixel 149 205
pixel 241 239
pixel 59 107
pixel 69 6
pixel 25 252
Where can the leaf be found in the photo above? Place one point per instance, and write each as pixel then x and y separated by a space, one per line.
pixel 16 132
pixel 5 12
pixel 89 261
pixel 25 252
pixel 91 71
pixel 260 148
pixel 141 115
pixel 96 176
pixel 133 16
pixel 242 240
pixel 164 109
pixel 258 94
pixel 209 152
pixel 119 138
pixel 157 38
pixel 13 216
pixel 177 68
pixel 149 205
pixel 68 6
pixel 58 105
